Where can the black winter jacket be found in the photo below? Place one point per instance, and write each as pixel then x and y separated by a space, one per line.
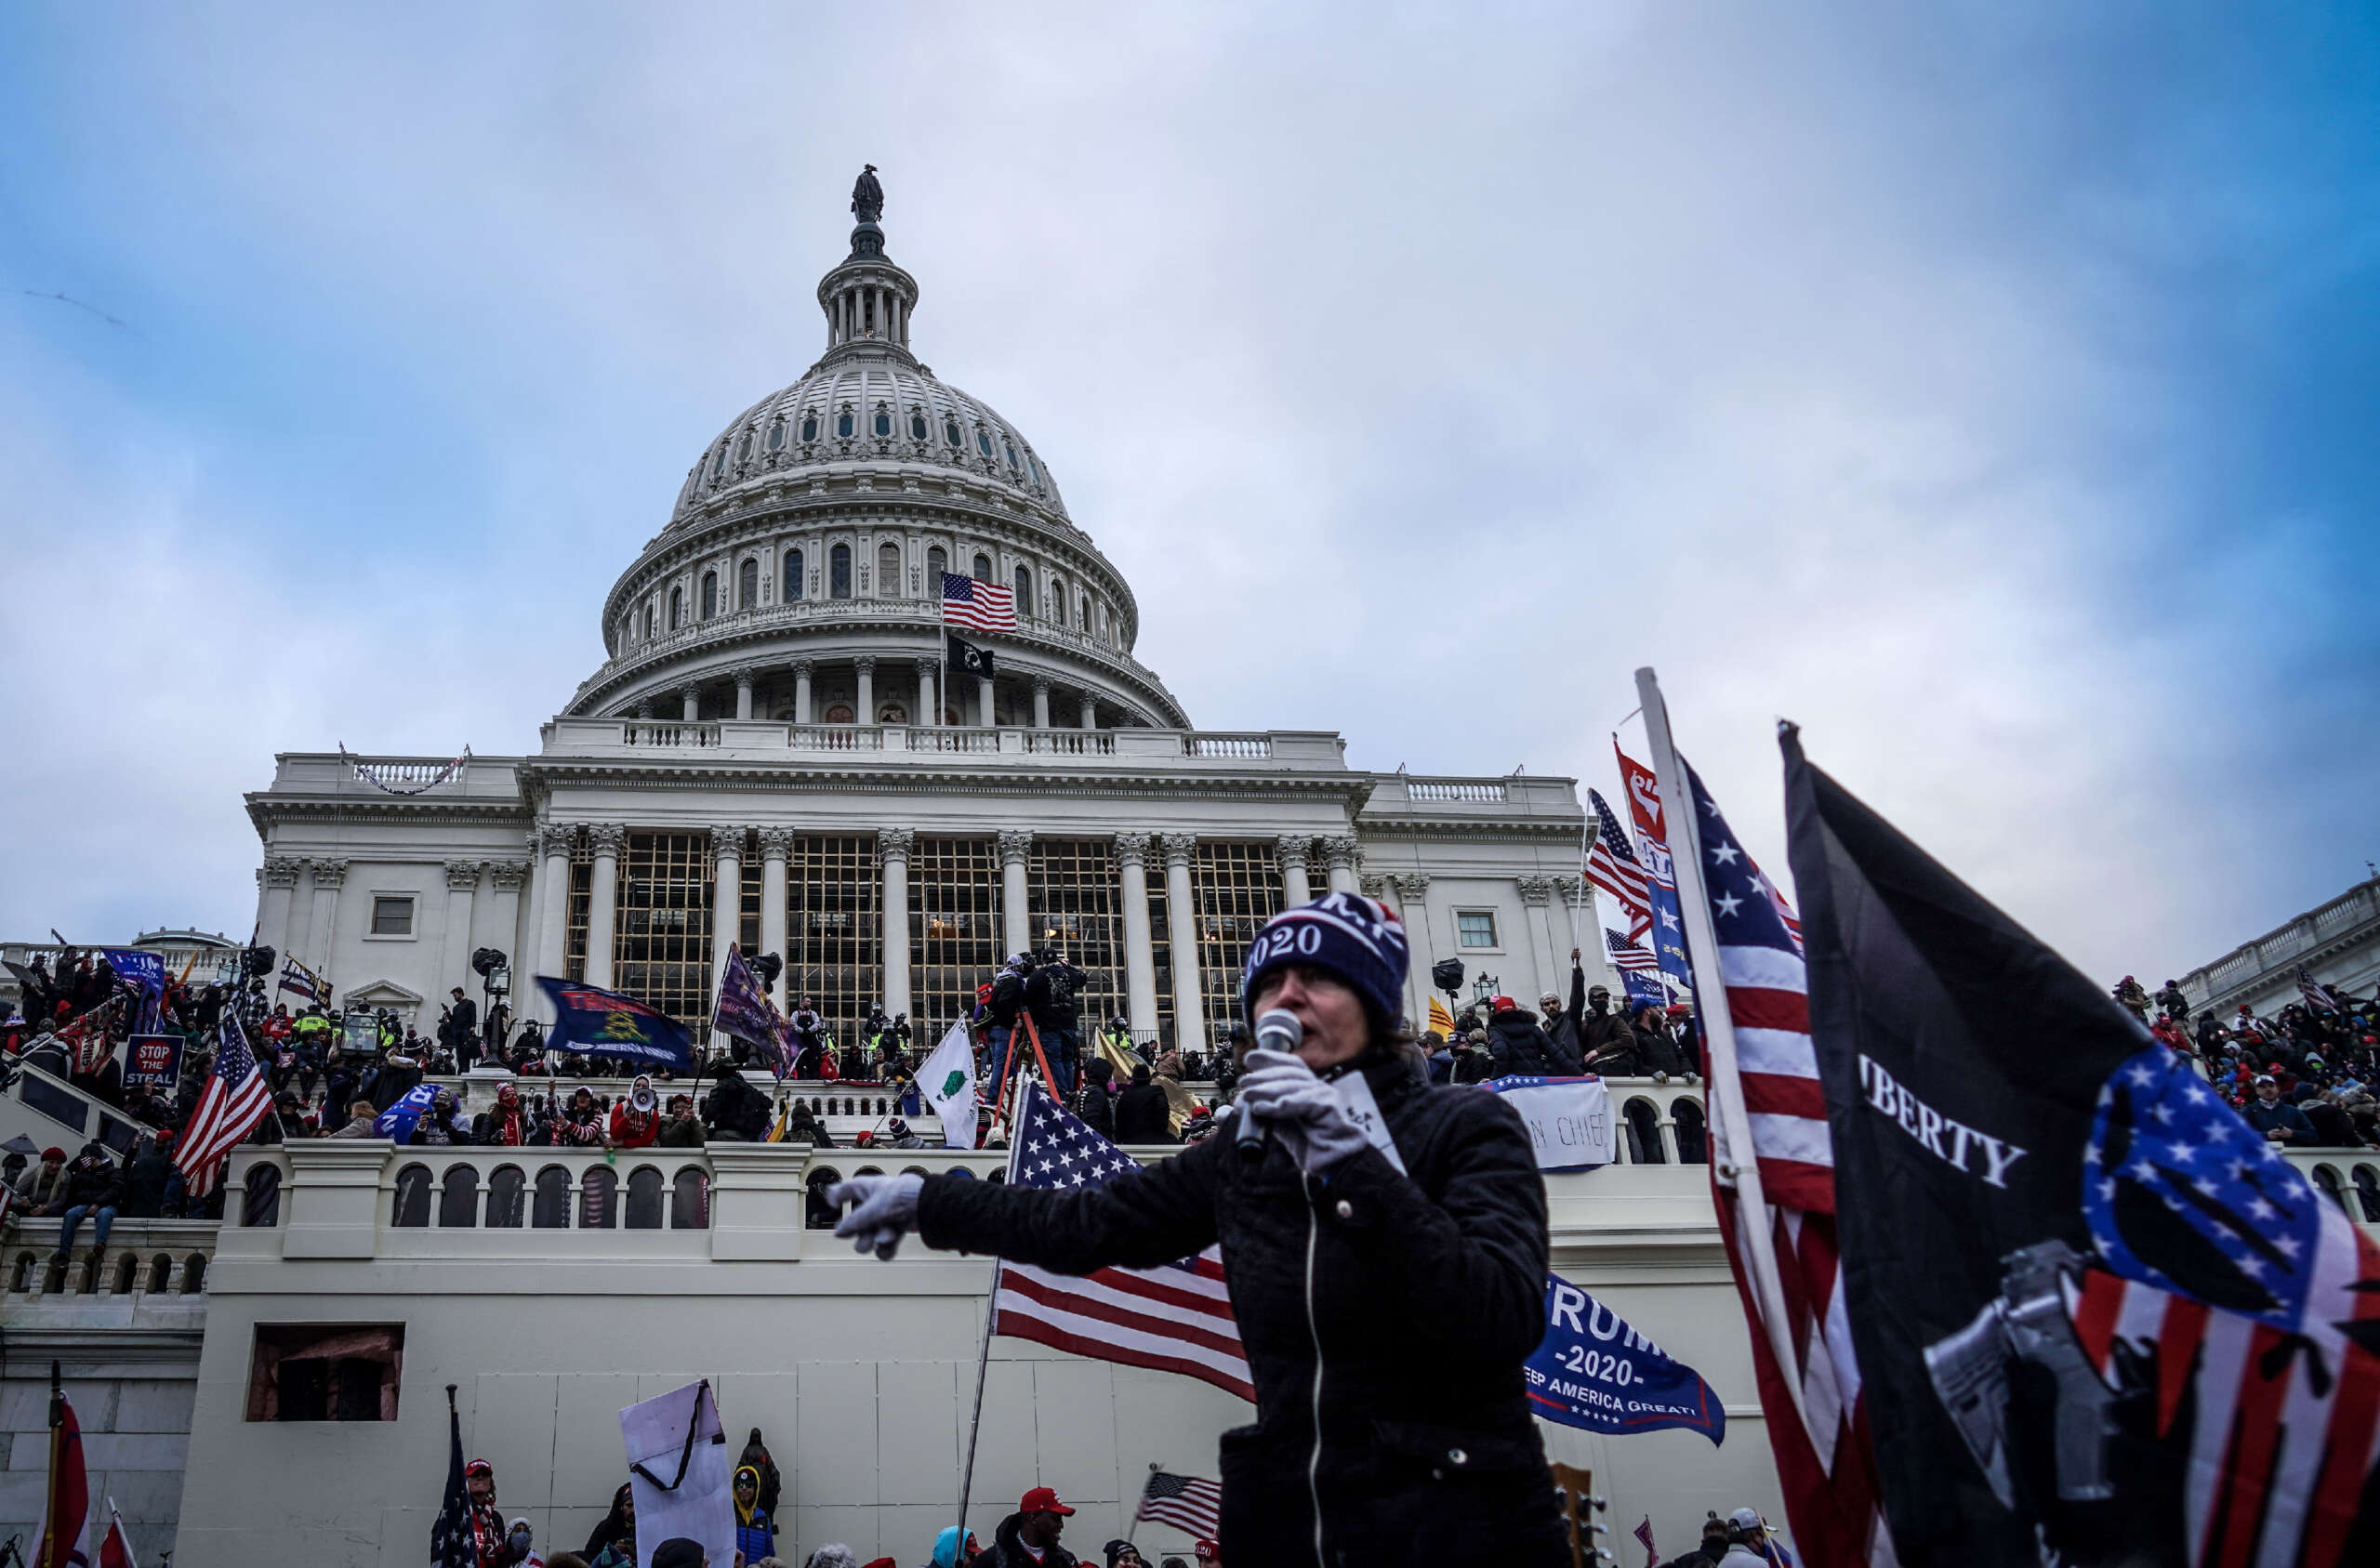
pixel 1608 1031
pixel 1006 1551
pixel 1417 1459
pixel 1144 1115
pixel 1516 1042
pixel 1563 1051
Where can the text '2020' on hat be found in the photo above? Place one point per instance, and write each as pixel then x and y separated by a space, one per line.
pixel 1343 934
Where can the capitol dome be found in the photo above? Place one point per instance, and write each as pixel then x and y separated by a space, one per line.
pixel 799 574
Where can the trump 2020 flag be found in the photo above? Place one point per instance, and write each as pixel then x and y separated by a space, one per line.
pixel 2100 1320
pixel 1595 1372
pixel 947 1081
pixel 404 1113
pixel 594 1021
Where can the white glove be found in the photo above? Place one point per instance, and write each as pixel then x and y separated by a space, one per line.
pixel 1281 1091
pixel 883 1209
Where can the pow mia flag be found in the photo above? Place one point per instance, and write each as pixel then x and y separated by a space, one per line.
pixel 965 656
pixel 2099 1319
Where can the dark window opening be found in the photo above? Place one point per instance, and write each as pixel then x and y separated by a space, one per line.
pixel 842 425
pixel 325 1372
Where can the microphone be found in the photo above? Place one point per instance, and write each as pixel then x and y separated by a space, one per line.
pixel 1276 1030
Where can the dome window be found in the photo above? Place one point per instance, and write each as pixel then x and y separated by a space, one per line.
pixel 710 595
pixel 983 442
pixel 1012 456
pixel 983 568
pixel 888 572
pixel 843 426
pixel 1024 590
pixel 719 463
pixel 794 581
pixel 1030 468
pixel 937 567
pixel 747 586
pixel 810 428
pixel 950 433
pixel 648 623
pixel 917 426
pixel 677 608
pixel 839 569
pixel 743 448
pixel 883 423
pixel 776 437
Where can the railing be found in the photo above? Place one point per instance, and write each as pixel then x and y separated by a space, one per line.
pixel 927 738
pixel 1070 742
pixel 836 737
pixel 53 1101
pixel 1455 789
pixel 2253 965
pixel 654 732
pixel 2349 1177
pixel 1253 747
pixel 144 1258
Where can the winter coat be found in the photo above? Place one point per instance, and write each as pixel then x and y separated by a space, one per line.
pixel 1414 1458
pixel 1144 1115
pixel 1006 1551
pixel 144 1185
pixel 1516 1042
pixel 1657 1052
pixel 736 1107
pixel 1562 1052
pixel 99 1184
pixel 1607 1032
pixel 1097 1109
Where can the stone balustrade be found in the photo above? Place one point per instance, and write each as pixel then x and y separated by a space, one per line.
pixel 731 738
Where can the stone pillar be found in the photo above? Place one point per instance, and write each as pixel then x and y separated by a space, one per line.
pixel 606 839
pixel 1290 850
pixel 1182 919
pixel 864 711
pixel 1413 899
pixel 1545 949
pixel 775 844
pixel 1041 703
pixel 552 844
pixel 801 668
pixel 501 925
pixel 1090 721
pixel 321 926
pixel 279 879
pixel 726 906
pixel 929 699
pixel 1016 914
pixel 744 693
pixel 1139 951
pixel 987 711
pixel 462 882
pixel 893 845
pixel 1343 852
pixel 691 698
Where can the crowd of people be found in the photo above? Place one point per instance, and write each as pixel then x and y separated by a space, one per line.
pixel 2307 1076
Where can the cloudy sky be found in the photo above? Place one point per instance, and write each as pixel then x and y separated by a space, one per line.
pixel 1989 388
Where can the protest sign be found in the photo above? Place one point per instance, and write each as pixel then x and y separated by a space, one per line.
pixel 153 1061
pixel 1568 1119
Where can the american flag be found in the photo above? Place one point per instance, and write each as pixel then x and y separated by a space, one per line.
pixel 1177 1318
pixel 1644 1533
pixel 234 1100
pixel 1612 866
pixel 2320 997
pixel 1807 1373
pixel 1626 955
pixel 1186 1502
pixel 984 606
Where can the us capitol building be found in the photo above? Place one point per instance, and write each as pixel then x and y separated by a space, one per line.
pixel 770 755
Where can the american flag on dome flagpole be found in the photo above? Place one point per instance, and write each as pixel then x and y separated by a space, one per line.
pixel 1175 1318
pixel 984 606
pixel 1612 867
pixel 1777 1216
pixel 234 1100
pixel 1187 1502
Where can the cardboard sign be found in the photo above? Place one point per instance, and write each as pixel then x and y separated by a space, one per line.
pixel 153 1061
pixel 1568 1119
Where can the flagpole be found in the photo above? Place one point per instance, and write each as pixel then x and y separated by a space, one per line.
pixel 982 1367
pixel 1723 1074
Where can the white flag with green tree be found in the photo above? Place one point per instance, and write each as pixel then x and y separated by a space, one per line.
pixel 947 1081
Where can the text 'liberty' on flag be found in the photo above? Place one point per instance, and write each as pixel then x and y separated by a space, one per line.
pixel 1176 1318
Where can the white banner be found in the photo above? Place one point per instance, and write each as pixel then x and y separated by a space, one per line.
pixel 677 1473
pixel 948 1082
pixel 1568 1119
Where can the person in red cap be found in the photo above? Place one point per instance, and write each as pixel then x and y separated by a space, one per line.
pixel 1208 1553
pixel 1028 1538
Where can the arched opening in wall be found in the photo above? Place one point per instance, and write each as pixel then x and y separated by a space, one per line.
pixel 550 1211
pixel 260 1199
pixel 411 1209
pixel 1082 612
pixel 128 1274
pixel 1693 1139
pixel 677 608
pixel 747 584
pixel 888 572
pixel 161 1273
pixel 793 584
pixel 20 1275
pixel 937 567
pixel 90 1285
pixel 1024 590
pixel 1058 600
pixel 710 595
pixel 892 713
pixel 193 1274
pixel 690 1200
pixel 838 713
pixel 2327 1178
pixel 644 1199
pixel 2367 1191
pixel 1644 1128
pixel 458 1199
pixel 599 1199
pixel 838 572
pixel 506 1185
pixel 983 568
pixel 817 1213
pixel 648 623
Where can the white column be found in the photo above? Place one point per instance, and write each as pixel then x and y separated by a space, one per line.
pixel 279 880
pixel 929 699
pixel 1041 703
pixel 553 915
pixel 462 882
pixel 322 921
pixel 1181 920
pixel 603 903
pixel 893 844
pixel 691 698
pixel 497 923
pixel 1413 901
pixel 1545 952
pixel 801 668
pixel 1139 951
pixel 986 714
pixel 775 844
pixel 1341 848
pixel 1291 849
pixel 864 711
pixel 1016 915
pixel 726 906
pixel 1090 720
pixel 744 693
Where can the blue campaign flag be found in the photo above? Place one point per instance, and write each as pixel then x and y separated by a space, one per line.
pixel 399 1120
pixel 1594 1371
pixel 593 1021
pixel 146 971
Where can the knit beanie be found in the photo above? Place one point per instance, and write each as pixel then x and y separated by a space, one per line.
pixel 1343 934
